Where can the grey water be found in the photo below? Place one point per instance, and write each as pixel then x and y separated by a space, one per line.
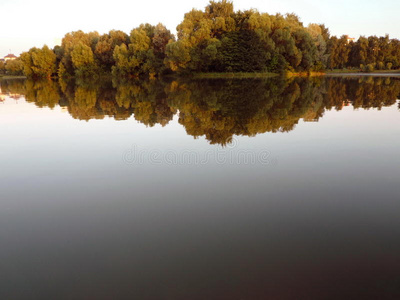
pixel 200 189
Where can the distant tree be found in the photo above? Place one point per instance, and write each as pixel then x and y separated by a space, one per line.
pixel 308 49
pixel 216 39
pixel 125 62
pixel 395 53
pixel 318 34
pixel 39 63
pixel 104 49
pixel 2 67
pixel 325 32
pixel 339 50
pixel 62 71
pixel 83 60
pixel 384 51
pixel 145 53
pixel 178 55
pixel 73 39
pixel 14 67
pixel 285 46
pixel 241 51
pixel 370 68
pixel 359 52
pixel 373 50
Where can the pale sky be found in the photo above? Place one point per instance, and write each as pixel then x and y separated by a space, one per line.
pixel 27 23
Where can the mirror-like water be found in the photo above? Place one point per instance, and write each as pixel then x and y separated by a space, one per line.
pixel 209 189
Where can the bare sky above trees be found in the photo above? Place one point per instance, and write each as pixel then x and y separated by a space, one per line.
pixel 26 24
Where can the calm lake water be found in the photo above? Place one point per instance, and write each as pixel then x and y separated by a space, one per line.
pixel 208 189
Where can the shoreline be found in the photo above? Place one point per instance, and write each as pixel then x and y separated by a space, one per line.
pixel 375 74
pixel 232 75
pixel 240 75
pixel 12 77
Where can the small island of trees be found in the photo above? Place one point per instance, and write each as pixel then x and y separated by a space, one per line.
pixel 218 39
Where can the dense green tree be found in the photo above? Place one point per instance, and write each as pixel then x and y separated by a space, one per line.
pixel 2 67
pixel 14 67
pixel 105 48
pixel 39 63
pixel 320 37
pixel 373 50
pixel 216 39
pixel 83 60
pixel 285 47
pixel 359 52
pixel 339 50
pixel 125 61
pixel 307 48
pixel 177 55
pixel 145 53
pixel 76 39
pixel 242 51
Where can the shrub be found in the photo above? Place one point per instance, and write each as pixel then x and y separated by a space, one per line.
pixel 370 68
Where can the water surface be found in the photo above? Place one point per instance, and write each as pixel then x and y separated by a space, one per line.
pixel 209 189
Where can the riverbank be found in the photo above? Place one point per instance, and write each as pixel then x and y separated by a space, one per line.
pixel 304 74
pixel 346 72
pixel 341 72
pixel 214 75
pixel 11 77
pixel 233 75
pixel 356 71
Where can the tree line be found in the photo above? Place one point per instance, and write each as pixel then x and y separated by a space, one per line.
pixel 207 107
pixel 216 39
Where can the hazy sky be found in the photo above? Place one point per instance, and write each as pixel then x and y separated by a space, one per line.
pixel 27 23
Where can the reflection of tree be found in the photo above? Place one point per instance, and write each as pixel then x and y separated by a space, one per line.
pixel 87 100
pixel 13 87
pixel 83 104
pixel 366 92
pixel 374 92
pixel 148 101
pixel 336 93
pixel 44 93
pixel 220 109
pixel 216 109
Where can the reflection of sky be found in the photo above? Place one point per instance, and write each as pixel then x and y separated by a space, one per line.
pixel 46 141
pixel 78 222
pixel 354 17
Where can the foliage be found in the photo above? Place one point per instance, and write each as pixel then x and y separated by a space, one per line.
pixel 83 61
pixel 339 50
pixel 39 63
pixel 145 53
pixel 241 51
pixel 381 53
pixel 105 48
pixel 2 67
pixel 70 42
pixel 220 39
pixel 14 67
pixel 216 39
